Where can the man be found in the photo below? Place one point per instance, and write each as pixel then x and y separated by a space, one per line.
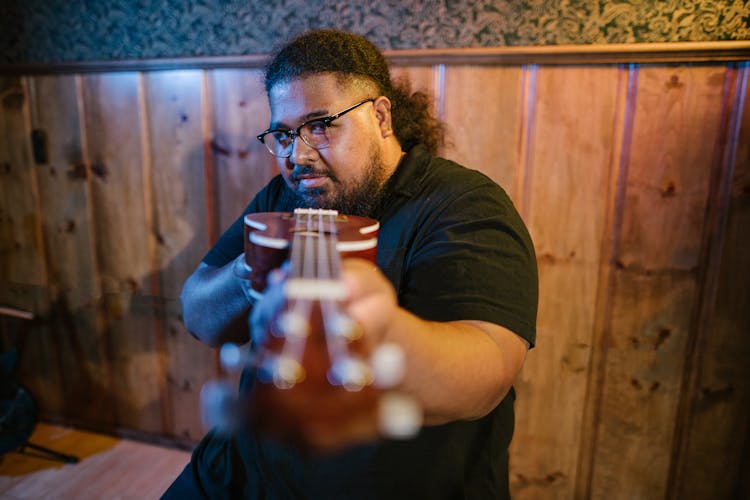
pixel 455 285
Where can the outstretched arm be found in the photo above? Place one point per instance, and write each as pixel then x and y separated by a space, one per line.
pixel 456 370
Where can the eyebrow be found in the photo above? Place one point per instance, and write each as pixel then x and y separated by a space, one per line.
pixel 304 118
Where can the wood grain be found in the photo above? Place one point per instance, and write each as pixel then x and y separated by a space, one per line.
pixel 108 467
pixel 113 132
pixel 421 79
pixel 21 252
pixel 482 107
pixel 719 392
pixel 568 171
pixel 637 387
pixel 242 165
pixel 177 140
pixel 23 274
pixel 675 129
pixel 75 323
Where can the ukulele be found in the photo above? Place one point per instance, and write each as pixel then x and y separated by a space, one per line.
pixel 318 384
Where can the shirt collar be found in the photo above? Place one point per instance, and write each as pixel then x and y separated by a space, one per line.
pixel 405 180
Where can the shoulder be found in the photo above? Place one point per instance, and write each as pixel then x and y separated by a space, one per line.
pixel 443 182
pixel 273 197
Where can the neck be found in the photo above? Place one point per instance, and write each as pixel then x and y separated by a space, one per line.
pixel 392 155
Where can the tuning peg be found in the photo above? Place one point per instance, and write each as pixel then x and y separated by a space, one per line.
pixel 220 407
pixel 388 365
pixel 399 416
pixel 284 371
pixel 235 357
pixel 341 325
pixel 350 372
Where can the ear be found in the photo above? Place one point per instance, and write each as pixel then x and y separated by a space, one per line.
pixel 382 106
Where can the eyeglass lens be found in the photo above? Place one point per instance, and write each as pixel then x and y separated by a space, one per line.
pixel 314 133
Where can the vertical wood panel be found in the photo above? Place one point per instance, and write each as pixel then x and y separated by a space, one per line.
pixel 482 114
pixel 573 134
pixel 22 266
pixel 676 125
pixel 242 164
pixel 21 253
pixel 75 326
pixel 177 141
pixel 122 237
pixel 721 392
pixel 420 78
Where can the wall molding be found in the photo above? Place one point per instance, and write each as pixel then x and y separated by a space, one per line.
pixel 679 52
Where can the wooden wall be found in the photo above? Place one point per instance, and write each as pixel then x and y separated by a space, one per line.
pixel 634 180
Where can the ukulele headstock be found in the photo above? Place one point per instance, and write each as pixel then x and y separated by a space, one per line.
pixel 318 381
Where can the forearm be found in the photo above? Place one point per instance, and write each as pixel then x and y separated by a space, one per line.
pixel 458 370
pixel 215 307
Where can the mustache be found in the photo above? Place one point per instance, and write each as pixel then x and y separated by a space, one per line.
pixel 301 170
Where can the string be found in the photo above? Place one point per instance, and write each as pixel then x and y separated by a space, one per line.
pixel 299 309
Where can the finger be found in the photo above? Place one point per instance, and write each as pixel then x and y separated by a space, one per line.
pixel 361 278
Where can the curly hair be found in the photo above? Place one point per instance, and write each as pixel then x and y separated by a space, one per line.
pixel 353 57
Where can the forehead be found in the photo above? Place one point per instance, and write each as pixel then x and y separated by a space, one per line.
pixel 294 100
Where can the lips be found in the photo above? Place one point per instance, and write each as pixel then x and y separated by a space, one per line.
pixel 309 180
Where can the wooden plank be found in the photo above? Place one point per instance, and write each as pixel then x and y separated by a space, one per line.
pixel 425 79
pixel 572 135
pixel 22 271
pixel 74 325
pixel 482 113
pixel 242 165
pixel 420 78
pixel 23 276
pixel 677 122
pixel 108 467
pixel 122 227
pixel 176 141
pixel 719 403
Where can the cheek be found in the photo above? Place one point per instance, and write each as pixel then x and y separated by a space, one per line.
pixel 348 165
pixel 285 170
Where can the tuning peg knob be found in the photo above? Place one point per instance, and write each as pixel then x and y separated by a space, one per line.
pixel 388 365
pixel 220 407
pixel 350 372
pixel 235 357
pixel 341 325
pixel 399 416
pixel 283 371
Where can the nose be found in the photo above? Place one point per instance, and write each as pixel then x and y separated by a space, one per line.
pixel 302 153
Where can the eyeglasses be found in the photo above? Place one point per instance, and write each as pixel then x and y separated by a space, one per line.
pixel 280 142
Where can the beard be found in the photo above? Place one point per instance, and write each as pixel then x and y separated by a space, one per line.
pixel 360 198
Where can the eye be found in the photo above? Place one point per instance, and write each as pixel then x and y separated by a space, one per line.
pixel 317 127
pixel 281 136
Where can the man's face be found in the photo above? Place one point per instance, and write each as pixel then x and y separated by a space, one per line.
pixel 348 174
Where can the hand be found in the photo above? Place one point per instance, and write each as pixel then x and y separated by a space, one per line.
pixel 372 300
pixel 265 308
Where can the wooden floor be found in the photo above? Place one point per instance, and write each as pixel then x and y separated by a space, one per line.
pixel 108 468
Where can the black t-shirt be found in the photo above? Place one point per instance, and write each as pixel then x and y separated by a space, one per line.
pixel 454 248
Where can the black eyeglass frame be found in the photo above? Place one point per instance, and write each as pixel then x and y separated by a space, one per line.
pixel 294 133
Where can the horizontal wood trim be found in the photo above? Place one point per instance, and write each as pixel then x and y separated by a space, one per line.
pixel 679 52
pixel 578 54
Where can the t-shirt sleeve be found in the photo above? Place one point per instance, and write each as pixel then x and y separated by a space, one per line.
pixel 474 259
